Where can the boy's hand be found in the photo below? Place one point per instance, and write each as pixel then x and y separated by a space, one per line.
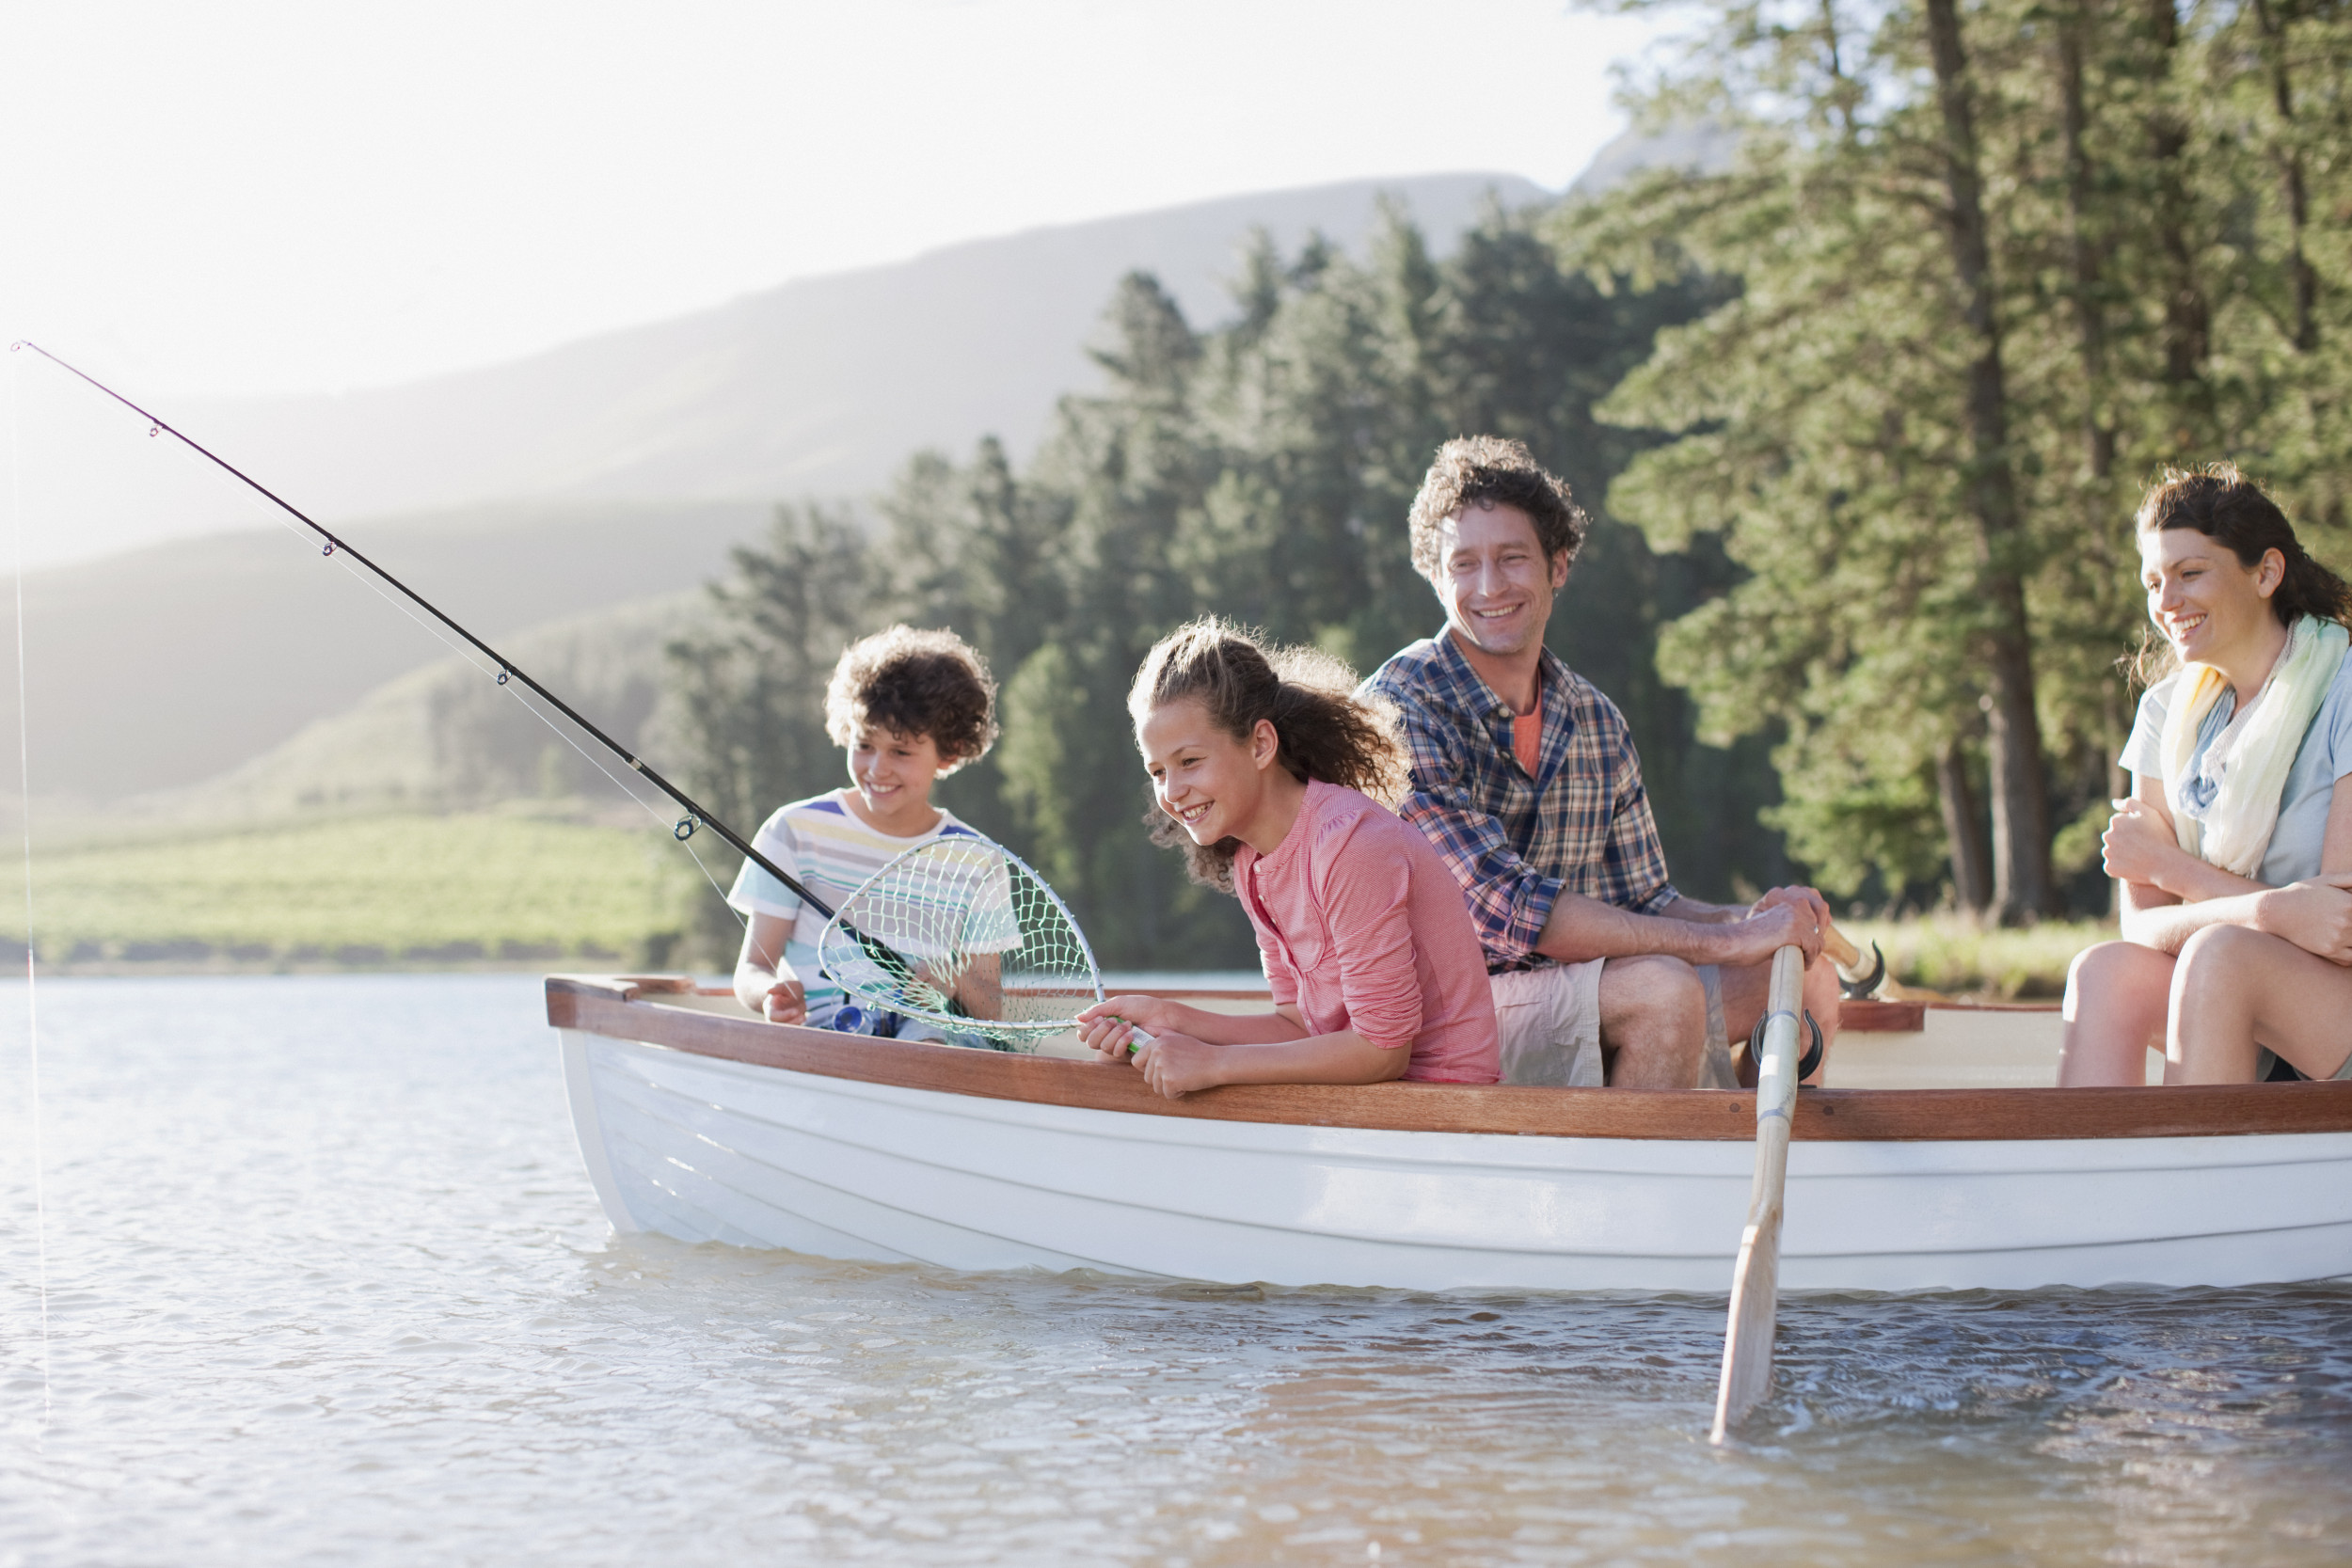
pixel 786 1003
pixel 1109 1026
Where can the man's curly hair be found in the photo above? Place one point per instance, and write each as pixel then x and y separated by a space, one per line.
pixel 914 683
pixel 1489 470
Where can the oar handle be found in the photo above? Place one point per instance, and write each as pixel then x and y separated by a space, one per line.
pixel 1840 948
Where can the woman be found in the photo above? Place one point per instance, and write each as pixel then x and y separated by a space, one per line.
pixel 2235 848
pixel 1263 769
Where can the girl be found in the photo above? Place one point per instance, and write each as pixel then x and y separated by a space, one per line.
pixel 2235 845
pixel 1265 769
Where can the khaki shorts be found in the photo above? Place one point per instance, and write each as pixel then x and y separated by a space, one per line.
pixel 1547 1021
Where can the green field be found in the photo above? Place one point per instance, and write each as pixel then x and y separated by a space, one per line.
pixel 422 891
pixel 401 891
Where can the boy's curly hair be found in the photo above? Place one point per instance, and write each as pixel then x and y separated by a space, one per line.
pixel 914 683
pixel 1488 470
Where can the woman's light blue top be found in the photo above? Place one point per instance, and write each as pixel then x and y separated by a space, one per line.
pixel 2325 756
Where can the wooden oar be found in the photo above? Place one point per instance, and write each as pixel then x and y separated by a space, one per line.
pixel 1755 1279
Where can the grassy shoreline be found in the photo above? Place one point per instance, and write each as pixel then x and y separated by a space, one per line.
pixel 504 891
pixel 379 892
pixel 1950 956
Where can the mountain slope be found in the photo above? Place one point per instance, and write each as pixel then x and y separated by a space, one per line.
pixel 823 385
pixel 182 660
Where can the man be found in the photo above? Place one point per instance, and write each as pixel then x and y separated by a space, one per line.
pixel 1525 778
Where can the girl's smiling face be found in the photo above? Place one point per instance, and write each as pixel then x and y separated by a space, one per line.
pixel 1208 778
pixel 2211 607
pixel 893 775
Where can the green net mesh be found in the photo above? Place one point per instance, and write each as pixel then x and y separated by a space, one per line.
pixel 961 934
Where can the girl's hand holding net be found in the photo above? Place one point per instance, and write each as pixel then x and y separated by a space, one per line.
pixel 1122 1024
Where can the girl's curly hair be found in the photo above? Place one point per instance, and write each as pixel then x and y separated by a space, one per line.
pixel 1326 730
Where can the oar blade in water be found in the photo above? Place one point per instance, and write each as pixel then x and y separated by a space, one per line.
pixel 1756 1277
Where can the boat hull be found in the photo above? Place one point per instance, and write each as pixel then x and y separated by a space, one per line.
pixel 705 1148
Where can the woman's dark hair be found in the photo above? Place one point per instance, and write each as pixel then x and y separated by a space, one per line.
pixel 2221 503
pixel 1325 730
pixel 914 683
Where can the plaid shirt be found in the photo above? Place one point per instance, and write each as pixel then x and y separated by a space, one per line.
pixel 1582 823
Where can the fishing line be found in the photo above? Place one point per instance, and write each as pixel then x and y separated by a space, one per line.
pixel 24 811
pixel 466 653
pixel 366 578
pixel 696 816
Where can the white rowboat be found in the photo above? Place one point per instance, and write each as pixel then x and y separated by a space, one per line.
pixel 700 1122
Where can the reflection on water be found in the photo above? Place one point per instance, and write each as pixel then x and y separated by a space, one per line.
pixel 327 1283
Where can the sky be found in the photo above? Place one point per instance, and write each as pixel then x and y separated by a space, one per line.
pixel 247 197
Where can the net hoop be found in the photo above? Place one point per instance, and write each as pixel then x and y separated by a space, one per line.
pixel 933 914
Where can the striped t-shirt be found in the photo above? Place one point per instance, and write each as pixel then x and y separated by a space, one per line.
pixel 822 843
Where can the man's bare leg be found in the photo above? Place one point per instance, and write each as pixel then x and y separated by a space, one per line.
pixel 1653 1022
pixel 2234 990
pixel 1748 987
pixel 2114 1011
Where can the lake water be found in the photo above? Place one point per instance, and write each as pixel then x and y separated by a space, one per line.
pixel 326 1285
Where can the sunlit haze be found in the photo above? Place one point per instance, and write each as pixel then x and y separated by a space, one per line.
pixel 261 196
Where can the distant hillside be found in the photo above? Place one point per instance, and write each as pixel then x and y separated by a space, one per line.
pixel 181 661
pixel 444 739
pixel 823 385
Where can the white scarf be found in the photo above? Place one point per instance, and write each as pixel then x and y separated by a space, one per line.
pixel 2236 831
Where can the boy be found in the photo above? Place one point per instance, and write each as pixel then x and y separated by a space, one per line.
pixel 910 707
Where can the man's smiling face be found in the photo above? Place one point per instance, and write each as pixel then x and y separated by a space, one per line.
pixel 1496 584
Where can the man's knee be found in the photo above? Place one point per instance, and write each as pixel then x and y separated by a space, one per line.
pixel 1653 1022
pixel 1651 982
pixel 1822 995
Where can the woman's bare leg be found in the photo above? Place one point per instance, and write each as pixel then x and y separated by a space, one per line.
pixel 2235 989
pixel 2116 994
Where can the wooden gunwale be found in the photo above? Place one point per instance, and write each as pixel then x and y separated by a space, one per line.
pixel 627 1009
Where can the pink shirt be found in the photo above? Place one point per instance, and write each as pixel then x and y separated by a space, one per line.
pixel 1362 927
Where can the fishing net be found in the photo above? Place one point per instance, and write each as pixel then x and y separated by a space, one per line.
pixel 961 935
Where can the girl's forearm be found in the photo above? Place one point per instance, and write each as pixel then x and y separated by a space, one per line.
pixel 1233 1028
pixel 1346 1057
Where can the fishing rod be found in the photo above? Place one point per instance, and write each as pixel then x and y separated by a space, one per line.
pixel 695 817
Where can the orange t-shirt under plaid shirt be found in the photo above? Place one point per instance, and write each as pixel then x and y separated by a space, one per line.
pixel 1362 926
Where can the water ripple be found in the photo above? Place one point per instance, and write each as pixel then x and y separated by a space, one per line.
pixel 327 1284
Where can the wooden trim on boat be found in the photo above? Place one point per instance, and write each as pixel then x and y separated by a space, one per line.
pixel 1883 1018
pixel 629 1009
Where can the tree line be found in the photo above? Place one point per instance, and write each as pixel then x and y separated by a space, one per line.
pixel 1258 468
pixel 1861 416
pixel 1997 264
